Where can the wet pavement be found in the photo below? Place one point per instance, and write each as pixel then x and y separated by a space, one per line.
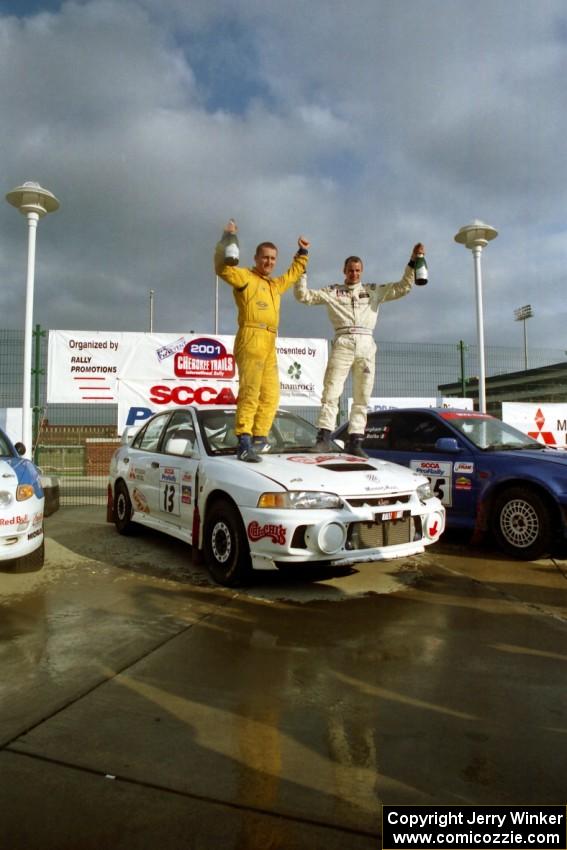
pixel 141 706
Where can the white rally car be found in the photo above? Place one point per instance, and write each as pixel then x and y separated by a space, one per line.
pixel 21 509
pixel 179 474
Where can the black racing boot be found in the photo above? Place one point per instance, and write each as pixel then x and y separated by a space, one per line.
pixel 354 445
pixel 323 443
pixel 260 444
pixel 246 450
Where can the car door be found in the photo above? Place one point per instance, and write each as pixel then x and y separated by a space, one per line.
pixel 409 438
pixel 143 466
pixel 177 466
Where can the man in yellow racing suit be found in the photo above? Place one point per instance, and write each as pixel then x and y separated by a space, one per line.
pixel 257 296
pixel 353 310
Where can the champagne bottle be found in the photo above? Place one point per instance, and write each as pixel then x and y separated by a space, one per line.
pixel 420 270
pixel 231 247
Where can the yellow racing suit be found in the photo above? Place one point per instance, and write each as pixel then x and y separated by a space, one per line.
pixel 258 301
pixel 353 311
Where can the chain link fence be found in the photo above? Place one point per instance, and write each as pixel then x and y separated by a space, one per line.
pixel 75 441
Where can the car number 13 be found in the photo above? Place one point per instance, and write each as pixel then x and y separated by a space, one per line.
pixel 170 498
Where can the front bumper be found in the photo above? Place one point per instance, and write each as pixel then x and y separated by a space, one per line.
pixel 21 530
pixel 344 536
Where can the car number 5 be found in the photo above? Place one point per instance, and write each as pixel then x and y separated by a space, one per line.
pixel 439 488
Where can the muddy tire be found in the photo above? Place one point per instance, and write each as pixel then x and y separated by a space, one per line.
pixel 123 510
pixel 29 563
pixel 226 549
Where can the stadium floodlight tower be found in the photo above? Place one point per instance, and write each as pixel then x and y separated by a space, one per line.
pixel 476 236
pixel 34 202
pixel 521 314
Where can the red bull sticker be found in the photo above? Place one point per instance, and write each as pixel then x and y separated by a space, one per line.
pixel 17 519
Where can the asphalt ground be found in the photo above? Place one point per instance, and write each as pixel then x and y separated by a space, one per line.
pixel 142 706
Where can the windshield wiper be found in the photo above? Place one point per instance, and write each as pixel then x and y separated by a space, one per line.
pixel 508 447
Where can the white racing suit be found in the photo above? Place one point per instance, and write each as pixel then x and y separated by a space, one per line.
pixel 353 311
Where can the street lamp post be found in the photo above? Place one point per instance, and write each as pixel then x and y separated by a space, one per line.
pixel 152 293
pixel 33 202
pixel 476 236
pixel 520 315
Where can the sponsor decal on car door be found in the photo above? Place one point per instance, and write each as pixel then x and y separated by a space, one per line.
pixel 440 474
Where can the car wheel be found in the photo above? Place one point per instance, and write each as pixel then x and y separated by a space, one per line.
pixel 122 509
pixel 227 553
pixel 30 563
pixel 522 524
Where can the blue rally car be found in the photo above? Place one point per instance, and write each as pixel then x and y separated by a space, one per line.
pixel 21 509
pixel 489 475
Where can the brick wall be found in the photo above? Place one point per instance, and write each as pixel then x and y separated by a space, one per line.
pixel 98 453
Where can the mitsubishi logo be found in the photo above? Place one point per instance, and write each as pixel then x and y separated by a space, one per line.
pixel 546 436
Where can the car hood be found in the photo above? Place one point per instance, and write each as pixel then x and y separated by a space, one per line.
pixel 19 470
pixel 8 475
pixel 553 456
pixel 336 473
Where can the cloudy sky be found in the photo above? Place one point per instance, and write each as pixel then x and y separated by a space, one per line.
pixel 365 126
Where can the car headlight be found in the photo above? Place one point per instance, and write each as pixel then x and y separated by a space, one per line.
pixel 24 491
pixel 302 499
pixel 425 492
pixel 5 498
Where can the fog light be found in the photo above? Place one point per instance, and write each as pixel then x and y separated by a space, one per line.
pixel 434 525
pixel 327 538
pixel 6 498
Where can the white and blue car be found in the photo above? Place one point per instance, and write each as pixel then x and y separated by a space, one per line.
pixel 179 474
pixel 21 509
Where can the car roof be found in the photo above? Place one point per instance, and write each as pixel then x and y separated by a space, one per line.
pixel 438 410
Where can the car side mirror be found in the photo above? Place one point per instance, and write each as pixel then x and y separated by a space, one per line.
pixel 128 434
pixel 20 448
pixel 447 444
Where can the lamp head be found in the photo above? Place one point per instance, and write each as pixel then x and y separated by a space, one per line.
pixel 477 234
pixel 31 197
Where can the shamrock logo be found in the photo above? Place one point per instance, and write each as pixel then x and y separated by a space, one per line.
pixel 294 371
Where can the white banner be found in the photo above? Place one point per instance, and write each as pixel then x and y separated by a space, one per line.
pixel 546 423
pixel 11 422
pixel 401 402
pixel 84 367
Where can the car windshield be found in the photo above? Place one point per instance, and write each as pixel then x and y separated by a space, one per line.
pixel 492 434
pixel 289 433
pixel 5 450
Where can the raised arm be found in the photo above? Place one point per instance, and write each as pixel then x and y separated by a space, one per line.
pixel 230 274
pixel 392 291
pixel 309 296
pixel 297 267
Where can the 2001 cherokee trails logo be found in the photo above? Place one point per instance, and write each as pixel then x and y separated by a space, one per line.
pixel 204 358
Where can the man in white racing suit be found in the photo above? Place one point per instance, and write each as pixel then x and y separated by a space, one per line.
pixel 353 310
